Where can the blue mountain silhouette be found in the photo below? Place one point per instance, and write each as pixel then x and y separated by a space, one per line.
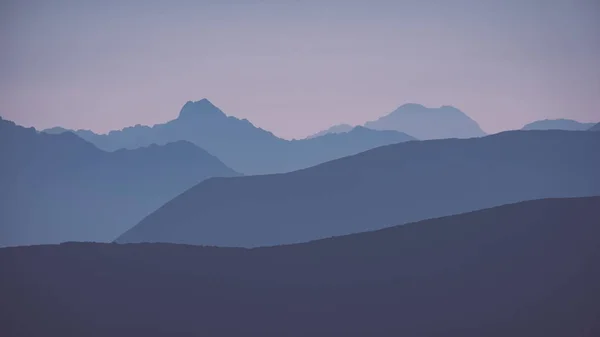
pixel 428 123
pixel 388 185
pixel 526 269
pixel 238 143
pixel 595 127
pixel 58 188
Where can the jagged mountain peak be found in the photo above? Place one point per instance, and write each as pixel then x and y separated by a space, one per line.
pixel 203 107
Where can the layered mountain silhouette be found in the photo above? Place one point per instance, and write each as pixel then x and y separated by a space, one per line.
pixel 428 123
pixel 340 128
pixel 59 188
pixel 526 269
pixel 558 124
pixel 238 143
pixel 595 127
pixel 389 185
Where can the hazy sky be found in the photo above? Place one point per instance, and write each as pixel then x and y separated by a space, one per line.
pixel 295 67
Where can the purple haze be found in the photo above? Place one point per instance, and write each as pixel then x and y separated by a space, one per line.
pixel 296 67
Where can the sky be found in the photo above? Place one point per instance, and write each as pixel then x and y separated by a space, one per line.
pixel 297 67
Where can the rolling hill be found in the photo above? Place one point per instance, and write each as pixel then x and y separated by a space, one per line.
pixel 58 188
pixel 525 269
pixel 378 188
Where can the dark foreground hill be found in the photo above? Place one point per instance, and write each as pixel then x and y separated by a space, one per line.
pixel 238 143
pixel 526 269
pixel 385 186
pixel 57 188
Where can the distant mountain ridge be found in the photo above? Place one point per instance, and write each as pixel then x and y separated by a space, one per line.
pixel 58 188
pixel 525 269
pixel 558 124
pixel 340 128
pixel 238 143
pixel 595 127
pixel 388 185
pixel 428 123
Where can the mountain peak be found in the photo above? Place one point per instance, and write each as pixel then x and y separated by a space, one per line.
pixel 202 107
pixel 410 107
pixel 428 123
pixel 414 107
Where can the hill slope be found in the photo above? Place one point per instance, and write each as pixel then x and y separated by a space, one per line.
pixel 595 127
pixel 428 123
pixel 238 143
pixel 558 124
pixel 392 184
pixel 527 269
pixel 57 188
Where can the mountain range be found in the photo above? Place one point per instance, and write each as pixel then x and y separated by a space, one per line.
pixel 525 269
pixel 58 188
pixel 595 127
pixel 558 124
pixel 388 185
pixel 238 143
